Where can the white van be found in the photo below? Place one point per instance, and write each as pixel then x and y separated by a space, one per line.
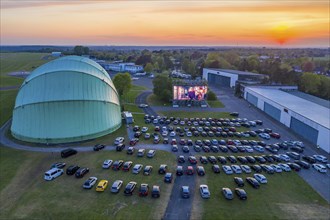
pixel 53 173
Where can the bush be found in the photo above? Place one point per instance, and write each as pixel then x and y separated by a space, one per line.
pixel 211 96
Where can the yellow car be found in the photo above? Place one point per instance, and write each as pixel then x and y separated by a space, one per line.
pixel 102 185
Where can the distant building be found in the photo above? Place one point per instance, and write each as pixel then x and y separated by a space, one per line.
pixel 123 67
pixel 306 115
pixel 56 54
pixel 229 78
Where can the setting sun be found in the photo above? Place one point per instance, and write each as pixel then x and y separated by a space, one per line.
pixel 282 33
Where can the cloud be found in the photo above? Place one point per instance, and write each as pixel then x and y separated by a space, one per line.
pixel 13 4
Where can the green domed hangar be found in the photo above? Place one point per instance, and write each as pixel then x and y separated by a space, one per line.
pixel 69 99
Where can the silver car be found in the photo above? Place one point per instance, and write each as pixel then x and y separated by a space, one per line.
pixel 204 190
pixel 116 186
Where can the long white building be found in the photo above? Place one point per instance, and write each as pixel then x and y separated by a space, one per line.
pixel 124 67
pixel 306 117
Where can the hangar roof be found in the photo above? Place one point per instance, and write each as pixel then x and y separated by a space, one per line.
pixel 237 72
pixel 303 107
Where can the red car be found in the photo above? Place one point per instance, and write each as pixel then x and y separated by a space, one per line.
pixel 157 128
pixel 182 142
pixel 192 159
pixel 144 189
pixel 173 141
pixel 190 170
pixel 230 142
pixel 127 165
pixel 134 141
pixel 275 135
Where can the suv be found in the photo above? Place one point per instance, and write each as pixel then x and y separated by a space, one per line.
pixel 144 189
pixel 155 191
pixel 68 152
pixel 72 169
pixel 185 192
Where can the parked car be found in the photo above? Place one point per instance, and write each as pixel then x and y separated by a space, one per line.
pixel 147 170
pixel 129 189
pixel 117 164
pixel 133 141
pixel 239 181
pixel 293 155
pixel 260 178
pixel 168 178
pixel 141 152
pixel 151 153
pixel 309 159
pixel 257 168
pixel 192 160
pixel 294 166
pixel 53 173
pixel 253 182
pixel 102 185
pixel 236 168
pixel 216 168
pixel 200 171
pixel 303 164
pixel 98 147
pixel 284 167
pixel 185 193
pixel 90 182
pixel 155 193
pixel 72 169
pixel 130 150
pixel 116 186
pixel 275 135
pixel 227 169
pixel 81 172
pixel 107 164
pixel 190 170
pixel 137 168
pixel 120 147
pixel 320 158
pixel 162 169
pixel 144 189
pixel 227 193
pixel 241 193
pixel 119 140
pixel 58 165
pixel 127 165
pixel 319 167
pixel 179 170
pixel 175 148
pixel 204 191
pixel 68 152
pixel 246 168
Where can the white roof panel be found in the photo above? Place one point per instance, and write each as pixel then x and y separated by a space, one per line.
pixel 308 109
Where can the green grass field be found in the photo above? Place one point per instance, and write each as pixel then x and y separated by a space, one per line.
pixel 11 62
pixel 28 196
pixel 286 196
pixel 216 104
pixel 196 114
pixel 153 100
pixel 7 100
pixel 128 100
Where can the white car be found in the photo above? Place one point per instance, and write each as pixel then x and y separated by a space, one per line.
pixel 284 167
pixel 140 152
pixel 259 148
pixel 227 169
pixel 246 168
pixel 204 190
pixel 260 178
pixel 151 153
pixel 320 158
pixel 276 168
pixel 90 182
pixel 188 134
pixel 252 123
pixel 284 157
pixel 164 133
pixel 143 106
pixel 245 134
pixel 137 168
pixel 328 165
pixel 53 173
pixel 144 129
pixel 237 142
pixel 264 136
pixel 237 169
pixel 107 164
pixel 319 167
pixel 119 140
pixel 172 134
pixel 300 144
pixel 248 149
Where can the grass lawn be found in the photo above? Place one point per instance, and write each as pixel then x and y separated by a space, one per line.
pixel 11 62
pixel 215 104
pixel 153 100
pixel 7 100
pixel 183 114
pixel 128 100
pixel 286 196
pixel 28 196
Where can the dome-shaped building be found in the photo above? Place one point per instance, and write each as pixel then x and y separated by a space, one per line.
pixel 66 100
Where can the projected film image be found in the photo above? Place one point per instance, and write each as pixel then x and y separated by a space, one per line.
pixel 189 92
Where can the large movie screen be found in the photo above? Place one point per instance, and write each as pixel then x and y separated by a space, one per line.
pixel 189 92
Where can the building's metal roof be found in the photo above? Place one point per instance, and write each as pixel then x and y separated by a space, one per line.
pixel 303 107
pixel 236 72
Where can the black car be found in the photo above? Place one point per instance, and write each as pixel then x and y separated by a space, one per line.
pixel 136 128
pixel 216 168
pixel 239 181
pixel 297 149
pixel 155 191
pixel 168 178
pixel 253 182
pixel 212 159
pixel 120 147
pixel 185 149
pixel 241 194
pixel 276 158
pixel 223 148
pixel 215 149
pixel 242 159
pixel 181 159
pixel 68 152
pixel 203 160
pixel 200 171
pixel 250 159
pixel 294 166
pixel 260 159
pixel 72 169
pixel 81 172
pixel 256 168
pixel 268 169
pixel 162 169
pixel 206 149
pixel 197 148
pixel 232 148
pixel 117 164
pixel 268 158
pixel 232 159
pixel 293 155
pixel 309 159
pixel 133 141
pixel 258 122
pixel 179 170
pixel 222 159
pixel 130 150
pixel 303 164
pixel 98 147
pixel 235 114
pixel 192 160
pixel 137 134
pixel 129 188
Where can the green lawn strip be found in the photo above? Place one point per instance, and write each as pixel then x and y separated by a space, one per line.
pixel 132 108
pixel 7 100
pixel 196 114
pixel 11 62
pixel 65 197
pixel 216 104
pixel 153 100
pixel 263 203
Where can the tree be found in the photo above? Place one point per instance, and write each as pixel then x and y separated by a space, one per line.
pixel 308 66
pixel 122 82
pixel 310 83
pixel 80 50
pixel 211 96
pixel 148 68
pixel 162 87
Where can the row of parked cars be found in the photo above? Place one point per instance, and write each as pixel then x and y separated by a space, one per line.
pixel 56 170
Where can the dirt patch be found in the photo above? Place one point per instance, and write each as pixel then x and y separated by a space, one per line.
pixel 305 211
pixel 117 207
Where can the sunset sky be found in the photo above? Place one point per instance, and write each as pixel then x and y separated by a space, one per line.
pixel 282 23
